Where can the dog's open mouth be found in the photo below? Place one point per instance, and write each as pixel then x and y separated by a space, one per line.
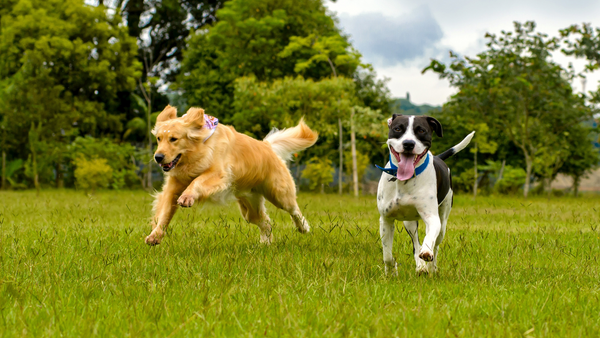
pixel 406 163
pixel 168 166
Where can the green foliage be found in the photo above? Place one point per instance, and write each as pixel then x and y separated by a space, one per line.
pixel 12 168
pixel 248 39
pixel 514 87
pixel 586 44
pixel 372 92
pixel 464 181
pixel 63 65
pixel 362 162
pixel 93 174
pixel 333 50
pixel 120 158
pixel 260 106
pixel 162 26
pixel 319 171
pixel 512 180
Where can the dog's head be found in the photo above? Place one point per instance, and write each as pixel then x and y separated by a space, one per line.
pixel 409 139
pixel 178 136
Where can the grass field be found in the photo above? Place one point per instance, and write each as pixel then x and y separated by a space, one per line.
pixel 71 265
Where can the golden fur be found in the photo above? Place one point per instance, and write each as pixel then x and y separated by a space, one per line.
pixel 227 162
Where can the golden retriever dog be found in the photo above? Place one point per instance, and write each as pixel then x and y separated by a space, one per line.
pixel 210 161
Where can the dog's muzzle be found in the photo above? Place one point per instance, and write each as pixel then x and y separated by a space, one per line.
pixel 168 166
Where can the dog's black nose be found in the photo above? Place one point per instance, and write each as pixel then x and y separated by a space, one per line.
pixel 408 145
pixel 159 158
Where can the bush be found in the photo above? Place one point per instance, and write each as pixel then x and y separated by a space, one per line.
pixel 319 171
pixel 464 181
pixel 117 156
pixel 512 180
pixel 94 174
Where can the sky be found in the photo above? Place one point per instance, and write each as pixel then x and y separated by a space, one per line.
pixel 400 37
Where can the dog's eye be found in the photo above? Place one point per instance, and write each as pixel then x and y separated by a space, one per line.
pixel 173 139
pixel 420 130
pixel 397 129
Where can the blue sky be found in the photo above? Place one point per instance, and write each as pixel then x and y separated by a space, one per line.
pixel 399 37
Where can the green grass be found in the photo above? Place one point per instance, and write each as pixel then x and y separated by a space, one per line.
pixel 77 266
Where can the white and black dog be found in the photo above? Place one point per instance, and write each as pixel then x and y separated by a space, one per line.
pixel 415 185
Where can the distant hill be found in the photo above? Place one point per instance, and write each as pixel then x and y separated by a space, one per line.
pixel 405 107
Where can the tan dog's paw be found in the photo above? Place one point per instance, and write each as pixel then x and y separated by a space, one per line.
pixel 186 200
pixel 153 239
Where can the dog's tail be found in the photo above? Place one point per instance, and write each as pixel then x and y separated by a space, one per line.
pixel 465 142
pixel 288 141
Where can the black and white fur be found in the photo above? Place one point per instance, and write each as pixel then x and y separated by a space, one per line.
pixel 427 196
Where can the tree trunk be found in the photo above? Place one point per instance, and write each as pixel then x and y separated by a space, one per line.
pixel 149 184
pixel 36 181
pixel 33 138
pixel 59 176
pixel 3 153
pixel 475 169
pixel 134 9
pixel 501 170
pixel 341 173
pixel 576 181
pixel 353 145
pixel 528 170
pixel 3 170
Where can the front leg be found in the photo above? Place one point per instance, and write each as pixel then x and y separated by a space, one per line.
pixel 412 228
pixel 203 187
pixel 165 206
pixel 432 230
pixel 386 232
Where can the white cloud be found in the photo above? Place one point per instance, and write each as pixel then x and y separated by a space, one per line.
pixel 463 24
pixel 387 41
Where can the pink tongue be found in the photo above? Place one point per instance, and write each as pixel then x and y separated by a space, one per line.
pixel 406 167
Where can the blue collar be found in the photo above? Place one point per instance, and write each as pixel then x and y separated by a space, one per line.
pixel 394 169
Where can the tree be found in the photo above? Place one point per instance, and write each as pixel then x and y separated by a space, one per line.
pixel 261 106
pixel 319 171
pixel 334 50
pixel 370 123
pixel 247 40
pixel 162 27
pixel 582 156
pixel 516 87
pixel 63 65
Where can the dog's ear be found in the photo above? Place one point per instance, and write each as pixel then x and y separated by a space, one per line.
pixel 168 113
pixel 435 125
pixel 194 117
pixel 391 119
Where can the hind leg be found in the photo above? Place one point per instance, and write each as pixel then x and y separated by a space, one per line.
pixel 253 210
pixel 283 195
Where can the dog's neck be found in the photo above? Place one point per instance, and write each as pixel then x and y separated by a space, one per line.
pixel 419 168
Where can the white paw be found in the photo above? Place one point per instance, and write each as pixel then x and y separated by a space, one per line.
pixel 421 266
pixel 426 255
pixel 391 269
